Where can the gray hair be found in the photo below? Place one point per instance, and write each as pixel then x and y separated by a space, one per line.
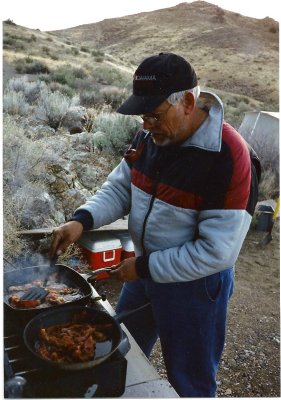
pixel 176 97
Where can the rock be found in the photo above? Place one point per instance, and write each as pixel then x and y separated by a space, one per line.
pixel 89 175
pixel 72 199
pixel 38 211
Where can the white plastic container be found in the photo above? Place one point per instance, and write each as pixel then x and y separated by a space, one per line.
pixel 128 249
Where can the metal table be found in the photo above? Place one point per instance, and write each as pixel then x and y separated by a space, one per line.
pixel 142 381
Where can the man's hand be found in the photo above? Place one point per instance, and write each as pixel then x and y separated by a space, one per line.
pixel 65 235
pixel 125 271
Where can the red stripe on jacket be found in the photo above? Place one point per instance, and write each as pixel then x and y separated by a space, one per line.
pixel 238 192
pixel 167 193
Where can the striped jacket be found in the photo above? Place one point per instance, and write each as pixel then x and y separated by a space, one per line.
pixel 189 206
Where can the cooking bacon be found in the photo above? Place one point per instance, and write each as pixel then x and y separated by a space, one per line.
pixel 16 302
pixel 54 298
pixel 59 293
pixel 71 342
pixel 27 286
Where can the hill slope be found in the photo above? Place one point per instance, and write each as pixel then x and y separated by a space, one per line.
pixel 231 52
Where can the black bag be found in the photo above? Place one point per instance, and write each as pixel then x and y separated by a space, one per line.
pixel 256 177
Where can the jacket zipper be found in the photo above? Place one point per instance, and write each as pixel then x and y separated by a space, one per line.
pixel 149 209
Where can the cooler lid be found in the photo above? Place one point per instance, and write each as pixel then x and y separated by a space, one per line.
pixel 99 241
pixel 126 240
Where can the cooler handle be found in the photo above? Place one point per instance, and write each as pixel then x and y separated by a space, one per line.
pixel 105 259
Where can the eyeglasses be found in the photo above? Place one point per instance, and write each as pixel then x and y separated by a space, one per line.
pixel 156 118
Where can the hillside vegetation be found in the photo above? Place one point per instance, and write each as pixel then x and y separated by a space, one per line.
pixel 61 89
pixel 229 51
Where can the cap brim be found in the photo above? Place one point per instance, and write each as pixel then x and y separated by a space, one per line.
pixel 135 105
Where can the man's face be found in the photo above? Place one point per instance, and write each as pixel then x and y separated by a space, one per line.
pixel 166 124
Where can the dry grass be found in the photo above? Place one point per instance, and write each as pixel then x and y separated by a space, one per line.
pixel 269 185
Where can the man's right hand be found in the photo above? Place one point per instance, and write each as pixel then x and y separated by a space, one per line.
pixel 65 235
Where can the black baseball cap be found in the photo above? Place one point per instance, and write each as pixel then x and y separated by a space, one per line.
pixel 155 79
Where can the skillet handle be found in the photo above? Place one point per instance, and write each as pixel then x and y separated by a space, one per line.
pixel 127 313
pixel 96 272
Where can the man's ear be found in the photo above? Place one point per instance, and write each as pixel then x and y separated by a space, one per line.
pixel 188 102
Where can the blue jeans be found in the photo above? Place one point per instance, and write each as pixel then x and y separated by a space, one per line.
pixel 190 320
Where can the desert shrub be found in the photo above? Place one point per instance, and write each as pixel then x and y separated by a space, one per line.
pixel 32 38
pixel 84 49
pixel 13 245
pixel 90 98
pixel 52 107
pixel 74 51
pixel 79 73
pixel 8 42
pixel 99 58
pixel 109 76
pixel 73 254
pixel 102 142
pixel 54 57
pixel 25 178
pixel 118 131
pixel 98 55
pixel 113 95
pixel 67 75
pixel 15 103
pixel 269 185
pixel 9 22
pixel 36 67
pixel 45 50
pixel 242 107
pixel 24 157
pixel 30 66
pixel 31 90
pixel 64 89
pixel 13 41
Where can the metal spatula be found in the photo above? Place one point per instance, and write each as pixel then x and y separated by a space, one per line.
pixel 39 293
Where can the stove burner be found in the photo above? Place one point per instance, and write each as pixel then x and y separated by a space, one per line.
pixel 25 377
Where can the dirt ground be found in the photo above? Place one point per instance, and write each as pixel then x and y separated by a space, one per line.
pixel 250 366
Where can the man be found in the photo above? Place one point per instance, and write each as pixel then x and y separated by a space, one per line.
pixel 190 189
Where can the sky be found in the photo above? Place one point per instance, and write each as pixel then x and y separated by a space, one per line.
pixel 60 14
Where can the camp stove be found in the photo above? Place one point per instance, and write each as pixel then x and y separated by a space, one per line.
pixel 24 377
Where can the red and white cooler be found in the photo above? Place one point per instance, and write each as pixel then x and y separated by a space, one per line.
pixel 128 249
pixel 100 249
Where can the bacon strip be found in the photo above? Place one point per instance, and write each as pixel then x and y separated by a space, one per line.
pixel 73 341
pixel 16 302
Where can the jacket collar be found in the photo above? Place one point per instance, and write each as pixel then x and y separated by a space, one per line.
pixel 208 135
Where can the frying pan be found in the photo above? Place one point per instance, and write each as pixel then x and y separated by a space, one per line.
pixel 26 275
pixel 60 316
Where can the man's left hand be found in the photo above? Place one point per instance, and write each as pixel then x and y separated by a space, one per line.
pixel 125 271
